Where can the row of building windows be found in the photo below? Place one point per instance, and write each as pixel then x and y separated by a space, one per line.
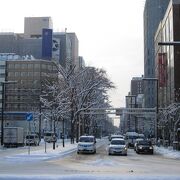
pixel 23 74
pixel 31 66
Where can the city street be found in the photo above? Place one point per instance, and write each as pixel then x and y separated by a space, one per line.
pixel 67 163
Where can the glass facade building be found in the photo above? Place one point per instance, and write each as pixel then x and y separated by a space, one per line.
pixel 168 56
pixel 154 11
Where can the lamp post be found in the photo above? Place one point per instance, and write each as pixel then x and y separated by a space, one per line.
pixel 2 108
pixel 173 43
pixel 157 103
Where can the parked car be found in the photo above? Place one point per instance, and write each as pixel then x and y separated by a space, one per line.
pixel 117 146
pixel 86 144
pixel 136 142
pixel 32 139
pixel 144 146
pixel 50 137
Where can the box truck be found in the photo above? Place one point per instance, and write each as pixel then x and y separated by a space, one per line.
pixel 13 136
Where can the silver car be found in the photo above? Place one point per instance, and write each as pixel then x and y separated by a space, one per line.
pixel 117 146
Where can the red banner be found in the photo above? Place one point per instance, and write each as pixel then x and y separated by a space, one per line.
pixel 162 69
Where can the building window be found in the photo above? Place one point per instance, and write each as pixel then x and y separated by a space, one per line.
pixel 50 67
pixel 17 66
pixel 10 66
pixel 36 74
pixel 24 66
pixel 44 66
pixel 36 66
pixel 23 74
pixel 30 74
pixel 2 66
pixel 30 66
pixel 17 74
pixel 10 74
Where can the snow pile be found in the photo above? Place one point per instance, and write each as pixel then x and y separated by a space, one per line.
pixel 167 152
pixel 41 155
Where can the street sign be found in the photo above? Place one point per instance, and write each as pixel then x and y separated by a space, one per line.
pixel 29 116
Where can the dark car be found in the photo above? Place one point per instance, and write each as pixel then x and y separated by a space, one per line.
pixel 136 142
pixel 144 146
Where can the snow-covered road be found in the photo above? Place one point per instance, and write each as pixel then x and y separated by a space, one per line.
pixel 64 163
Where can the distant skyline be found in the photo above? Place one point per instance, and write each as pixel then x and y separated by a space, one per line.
pixel 110 33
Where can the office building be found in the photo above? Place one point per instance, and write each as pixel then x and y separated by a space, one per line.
pixel 61 46
pixel 167 57
pixel 154 11
pixel 33 26
pixel 23 95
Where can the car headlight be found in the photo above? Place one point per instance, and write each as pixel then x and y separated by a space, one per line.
pixel 140 147
pixel 150 147
pixel 125 148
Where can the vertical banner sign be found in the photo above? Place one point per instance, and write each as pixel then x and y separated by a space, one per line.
pixel 56 49
pixel 47 43
pixel 162 69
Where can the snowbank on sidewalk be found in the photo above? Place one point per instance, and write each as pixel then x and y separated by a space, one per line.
pixel 40 155
pixel 167 152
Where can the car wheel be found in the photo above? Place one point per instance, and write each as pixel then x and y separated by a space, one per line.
pixel 137 151
pixel 77 152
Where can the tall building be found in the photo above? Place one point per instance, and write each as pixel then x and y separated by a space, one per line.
pixel 23 95
pixel 61 46
pixel 167 57
pixel 154 11
pixel 168 74
pixel 137 86
pixel 33 26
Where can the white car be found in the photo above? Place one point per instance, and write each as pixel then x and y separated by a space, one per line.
pixel 32 139
pixel 117 146
pixel 50 137
pixel 86 144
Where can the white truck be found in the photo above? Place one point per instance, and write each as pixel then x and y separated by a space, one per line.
pixel 130 138
pixel 13 136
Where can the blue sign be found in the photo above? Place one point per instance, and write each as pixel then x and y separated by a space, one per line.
pixel 47 43
pixel 29 116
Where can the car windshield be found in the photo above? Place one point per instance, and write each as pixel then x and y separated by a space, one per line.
pixel 145 143
pixel 49 134
pixel 117 137
pixel 30 137
pixel 86 139
pixel 118 142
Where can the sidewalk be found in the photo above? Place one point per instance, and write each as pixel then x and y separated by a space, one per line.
pixel 42 154
pixel 167 152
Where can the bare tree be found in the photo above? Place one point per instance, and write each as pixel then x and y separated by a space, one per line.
pixel 75 92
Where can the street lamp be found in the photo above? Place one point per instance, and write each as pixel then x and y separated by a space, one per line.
pixel 2 108
pixel 157 103
pixel 173 43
